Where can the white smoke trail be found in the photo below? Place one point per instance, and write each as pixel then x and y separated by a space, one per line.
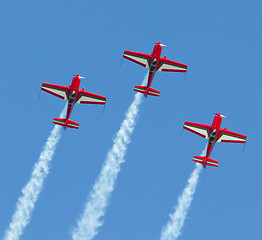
pixel 98 199
pixel 173 228
pixel 26 203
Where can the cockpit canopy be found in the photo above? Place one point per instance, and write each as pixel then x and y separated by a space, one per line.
pixel 72 97
pixel 153 63
pixel 212 136
pixel 213 133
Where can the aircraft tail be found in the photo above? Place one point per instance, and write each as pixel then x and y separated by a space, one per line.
pixel 205 161
pixel 147 91
pixel 66 123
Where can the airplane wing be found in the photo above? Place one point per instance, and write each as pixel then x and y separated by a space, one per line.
pixel 167 65
pixel 90 98
pixel 199 129
pixel 56 90
pixel 139 58
pixel 228 136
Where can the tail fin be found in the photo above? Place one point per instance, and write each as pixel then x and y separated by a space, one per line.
pixel 66 123
pixel 147 90
pixel 205 161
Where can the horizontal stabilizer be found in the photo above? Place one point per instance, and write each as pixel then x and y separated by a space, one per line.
pixel 141 89
pixel 147 91
pixel 66 123
pixel 205 161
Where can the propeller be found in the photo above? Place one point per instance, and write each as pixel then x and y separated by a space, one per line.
pixel 161 44
pixel 223 116
pixel 79 76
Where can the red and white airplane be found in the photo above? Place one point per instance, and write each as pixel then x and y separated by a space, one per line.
pixel 155 63
pixel 214 134
pixel 73 95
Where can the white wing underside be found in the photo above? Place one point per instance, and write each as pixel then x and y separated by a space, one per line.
pixel 89 99
pixel 166 66
pixel 60 92
pixel 138 59
pixel 199 130
pixel 230 138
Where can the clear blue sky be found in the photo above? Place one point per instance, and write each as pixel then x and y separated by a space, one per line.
pixel 49 41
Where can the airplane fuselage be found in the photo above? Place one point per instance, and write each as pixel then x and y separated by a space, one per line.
pixel 155 59
pixel 73 93
pixel 213 135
